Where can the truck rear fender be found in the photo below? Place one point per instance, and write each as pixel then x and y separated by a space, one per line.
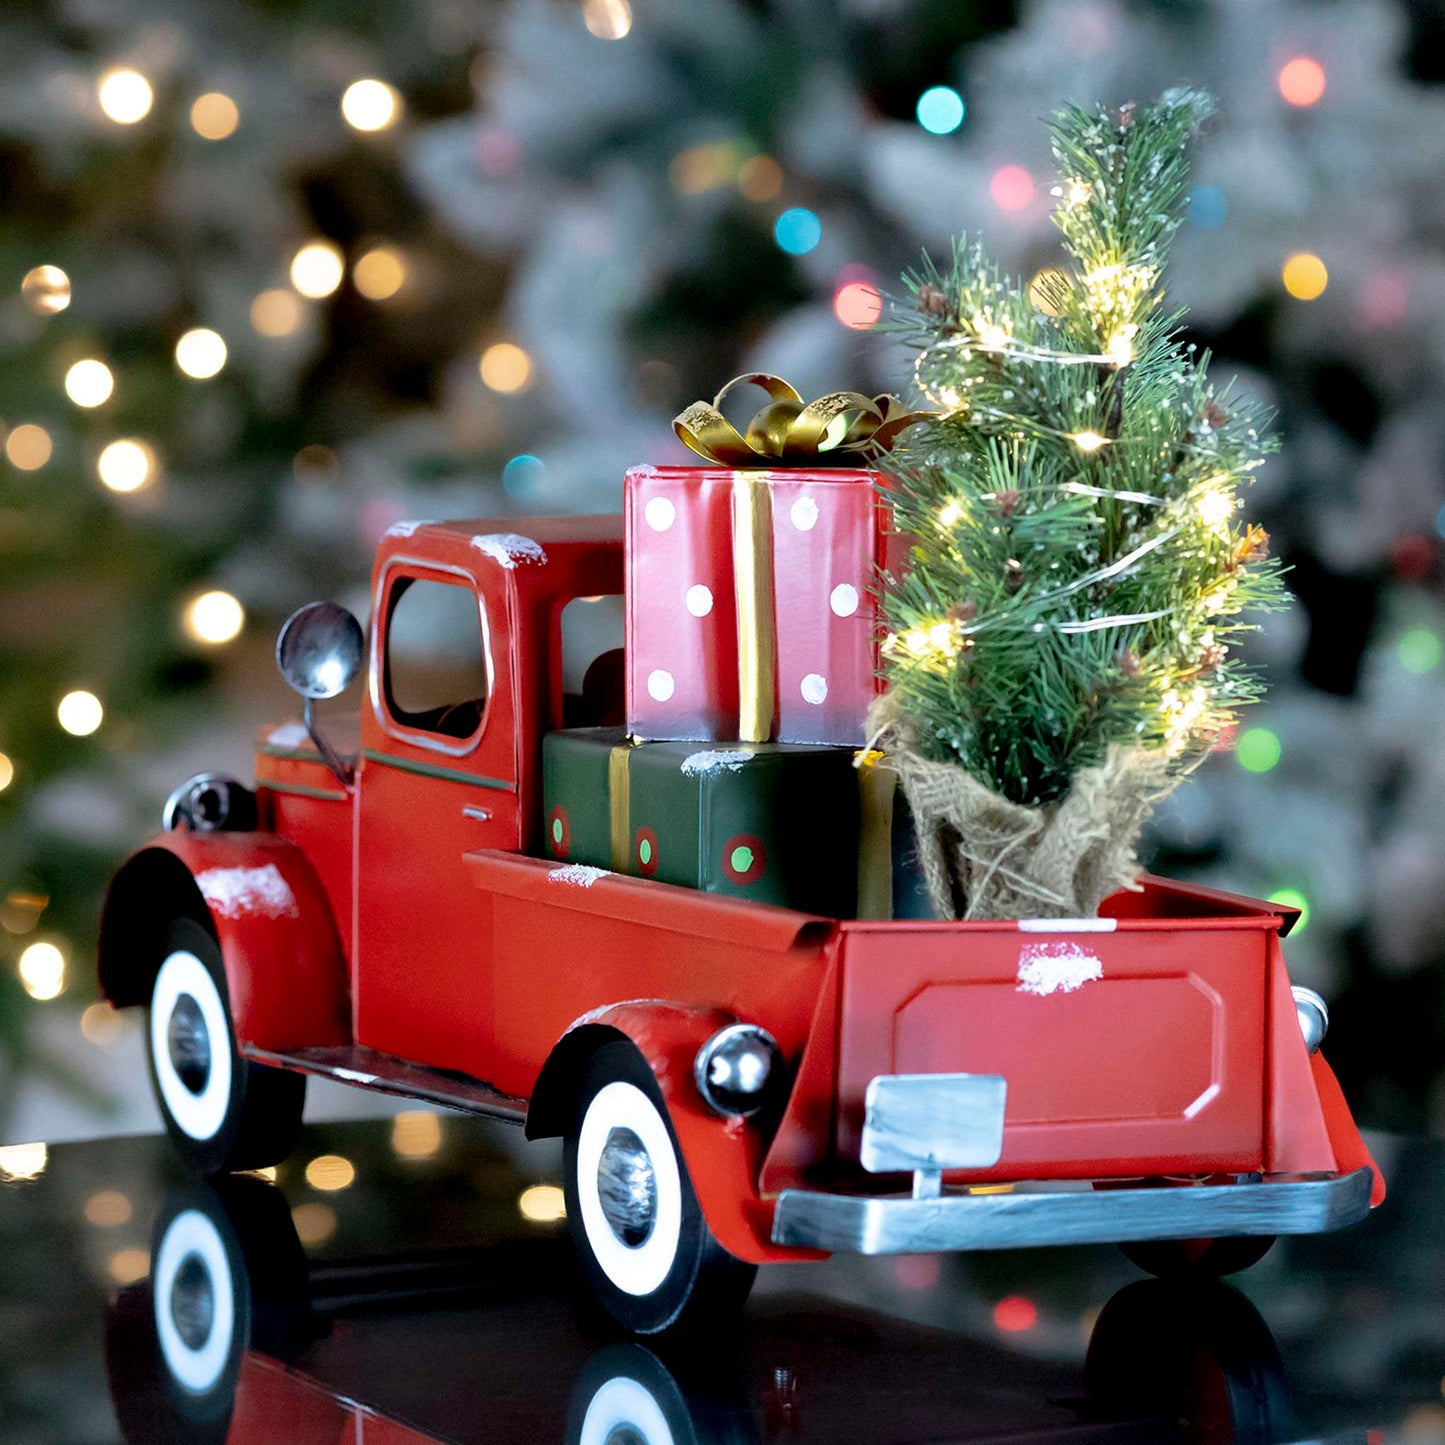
pixel 260 898
pixel 723 1156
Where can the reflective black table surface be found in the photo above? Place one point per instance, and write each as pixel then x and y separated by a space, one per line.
pixel 409 1281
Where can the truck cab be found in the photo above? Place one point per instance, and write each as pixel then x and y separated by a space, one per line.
pixel 735 1082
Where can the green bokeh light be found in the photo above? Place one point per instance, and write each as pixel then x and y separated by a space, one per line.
pixel 1293 898
pixel 1257 750
pixel 1418 650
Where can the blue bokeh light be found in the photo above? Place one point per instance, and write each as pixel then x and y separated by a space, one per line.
pixel 797 231
pixel 523 475
pixel 941 110
pixel 1207 207
pixel 1440 521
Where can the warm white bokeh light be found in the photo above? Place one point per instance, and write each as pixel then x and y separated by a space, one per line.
pixel 506 367
pixel 607 19
pixel 214 618
pixel 125 95
pixel 7 772
pixel 80 713
pixel 126 465
pixel 23 1161
pixel 42 971
pixel 201 353
pixel 277 312
pixel 317 269
pixel 214 115
pixel 330 1172
pixel 370 105
pixel 89 383
pixel 46 290
pixel 542 1204
pixel 379 274
pixel 28 447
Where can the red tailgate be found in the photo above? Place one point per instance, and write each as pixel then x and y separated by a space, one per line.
pixel 1138 1050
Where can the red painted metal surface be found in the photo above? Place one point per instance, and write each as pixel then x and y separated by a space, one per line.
pixel 285 969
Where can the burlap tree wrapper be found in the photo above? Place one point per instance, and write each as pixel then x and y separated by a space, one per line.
pixel 985 857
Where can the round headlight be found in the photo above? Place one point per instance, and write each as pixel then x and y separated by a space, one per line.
pixel 1314 1017
pixel 734 1068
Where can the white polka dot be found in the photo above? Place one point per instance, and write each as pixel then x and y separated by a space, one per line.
pixel 699 600
pixel 660 514
pixel 815 688
pixel 660 685
pixel 804 514
pixel 844 600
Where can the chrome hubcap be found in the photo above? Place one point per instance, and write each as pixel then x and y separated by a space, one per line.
pixel 189 1044
pixel 193 1302
pixel 627 1187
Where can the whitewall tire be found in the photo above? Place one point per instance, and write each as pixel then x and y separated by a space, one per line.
pixel 195 1302
pixel 640 1235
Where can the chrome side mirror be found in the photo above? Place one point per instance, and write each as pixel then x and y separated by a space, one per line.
pixel 319 651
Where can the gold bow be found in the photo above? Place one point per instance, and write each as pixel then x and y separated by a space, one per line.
pixel 844 428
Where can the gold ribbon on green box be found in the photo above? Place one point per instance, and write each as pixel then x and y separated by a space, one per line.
pixel 841 429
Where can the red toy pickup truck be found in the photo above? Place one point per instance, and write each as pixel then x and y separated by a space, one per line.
pixel 735 1082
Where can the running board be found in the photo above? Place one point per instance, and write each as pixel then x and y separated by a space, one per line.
pixel 368 1069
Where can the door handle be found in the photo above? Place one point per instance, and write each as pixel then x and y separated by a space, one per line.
pixel 482 815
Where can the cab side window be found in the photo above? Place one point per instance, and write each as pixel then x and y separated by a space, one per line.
pixel 435 669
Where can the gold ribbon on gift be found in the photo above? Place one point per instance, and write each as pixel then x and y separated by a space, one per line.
pixel 843 428
pixel 619 805
pixel 877 788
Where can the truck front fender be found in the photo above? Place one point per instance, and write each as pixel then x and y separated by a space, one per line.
pixel 723 1156
pixel 260 898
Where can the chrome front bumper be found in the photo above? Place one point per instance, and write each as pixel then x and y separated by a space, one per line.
pixel 1073 1213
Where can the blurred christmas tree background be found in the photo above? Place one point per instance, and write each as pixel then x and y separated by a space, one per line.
pixel 274 276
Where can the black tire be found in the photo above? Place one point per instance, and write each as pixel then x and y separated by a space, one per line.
pixel 221 1111
pixel 644 1247
pixel 1198 1258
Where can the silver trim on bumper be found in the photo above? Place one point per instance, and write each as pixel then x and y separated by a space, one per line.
pixel 897 1224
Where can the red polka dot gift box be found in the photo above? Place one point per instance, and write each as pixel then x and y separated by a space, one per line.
pixel 750 612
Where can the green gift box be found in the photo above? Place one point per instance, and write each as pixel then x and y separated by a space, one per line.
pixel 773 822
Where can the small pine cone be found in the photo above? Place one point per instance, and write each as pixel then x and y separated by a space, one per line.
pixel 1214 414
pixel 962 613
pixel 1129 663
pixel 932 302
pixel 1007 503
pixel 1211 657
pixel 1013 577
pixel 1126 116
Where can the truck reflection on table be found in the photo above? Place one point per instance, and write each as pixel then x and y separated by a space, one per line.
pixel 236 1337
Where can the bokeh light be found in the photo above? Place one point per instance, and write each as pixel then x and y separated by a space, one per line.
pixel 108 1208
pixel 23 1161
pixel 940 110
pixel 214 115
pixel 542 1204
pixel 126 465
pixel 126 1266
pixel 7 772
pixel 370 105
pixel 607 19
pixel 277 312
pixel 1302 80
pixel 101 1025
pixel 1011 187
pixel 1419 650
pixel 45 290
pixel 317 269
pixel 1258 750
pixel 214 618
pixel 523 475
pixel 1304 276
pixel 315 1222
pixel 416 1134
pixel 1015 1313
pixel 379 274
pixel 80 713
pixel 1207 207
pixel 857 304
pixel 505 367
pixel 1293 898
pixel 760 178
pixel 125 95
pixel 330 1172
pixel 42 971
pixel 201 353
pixel 89 383
pixel 797 231
pixel 1041 289
pixel 28 447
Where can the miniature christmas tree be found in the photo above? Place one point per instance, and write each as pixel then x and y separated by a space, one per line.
pixel 1059 650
